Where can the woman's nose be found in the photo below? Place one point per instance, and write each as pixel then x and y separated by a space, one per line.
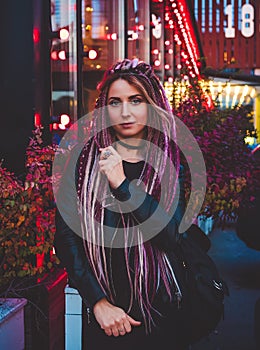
pixel 125 109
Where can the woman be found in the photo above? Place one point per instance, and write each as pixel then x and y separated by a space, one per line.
pixel 130 206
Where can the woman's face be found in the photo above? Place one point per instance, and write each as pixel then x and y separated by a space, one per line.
pixel 127 110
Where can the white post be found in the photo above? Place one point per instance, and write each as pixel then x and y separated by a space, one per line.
pixel 73 319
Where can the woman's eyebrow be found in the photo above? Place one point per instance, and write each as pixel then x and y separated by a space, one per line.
pixel 114 98
pixel 129 97
pixel 136 95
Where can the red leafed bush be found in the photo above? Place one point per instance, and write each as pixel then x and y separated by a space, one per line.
pixel 27 217
pixel 230 166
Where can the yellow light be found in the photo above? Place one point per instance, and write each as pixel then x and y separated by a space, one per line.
pixel 237 88
pixel 236 92
pixel 242 99
pixel 245 90
pixel 228 89
pixel 64 34
pixel 253 93
pixel 64 119
pixel 219 87
pixel 249 140
pixel 211 88
pixel 220 100
pixel 92 54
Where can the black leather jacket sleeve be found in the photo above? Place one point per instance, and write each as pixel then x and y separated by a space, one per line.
pixel 152 218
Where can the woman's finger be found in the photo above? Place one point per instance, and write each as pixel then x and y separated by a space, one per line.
pixel 108 332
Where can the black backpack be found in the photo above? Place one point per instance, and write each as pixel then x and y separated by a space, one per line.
pixel 203 289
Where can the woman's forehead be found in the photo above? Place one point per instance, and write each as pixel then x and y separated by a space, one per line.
pixel 121 87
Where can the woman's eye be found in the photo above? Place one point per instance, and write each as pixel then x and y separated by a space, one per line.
pixel 136 101
pixel 114 103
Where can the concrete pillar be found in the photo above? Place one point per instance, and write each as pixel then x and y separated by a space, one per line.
pixel 12 323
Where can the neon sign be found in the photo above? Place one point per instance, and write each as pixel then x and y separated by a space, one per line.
pixel 247 21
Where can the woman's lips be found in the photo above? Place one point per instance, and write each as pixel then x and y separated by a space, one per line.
pixel 127 125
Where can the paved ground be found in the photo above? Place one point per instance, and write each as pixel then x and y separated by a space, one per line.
pixel 240 267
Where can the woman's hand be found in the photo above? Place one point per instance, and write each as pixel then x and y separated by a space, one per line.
pixel 112 319
pixel 111 165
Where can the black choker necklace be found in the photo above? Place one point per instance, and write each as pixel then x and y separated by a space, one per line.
pixel 126 145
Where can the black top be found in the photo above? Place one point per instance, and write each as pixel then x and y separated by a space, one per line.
pixel 133 170
pixel 118 273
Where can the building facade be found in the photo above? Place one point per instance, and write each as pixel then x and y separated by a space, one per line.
pixel 101 32
pixel 229 32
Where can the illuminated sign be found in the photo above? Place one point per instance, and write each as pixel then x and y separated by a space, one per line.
pixel 229 33
pixel 247 20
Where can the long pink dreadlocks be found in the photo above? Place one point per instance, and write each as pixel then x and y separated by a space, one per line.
pixel 151 266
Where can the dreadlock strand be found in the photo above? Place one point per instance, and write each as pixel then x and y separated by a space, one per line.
pixel 150 267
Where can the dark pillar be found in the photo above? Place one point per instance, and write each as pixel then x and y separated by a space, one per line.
pixel 42 64
pixel 16 90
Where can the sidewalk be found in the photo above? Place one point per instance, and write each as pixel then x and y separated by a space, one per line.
pixel 240 267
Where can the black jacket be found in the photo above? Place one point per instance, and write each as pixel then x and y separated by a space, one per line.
pixel 69 245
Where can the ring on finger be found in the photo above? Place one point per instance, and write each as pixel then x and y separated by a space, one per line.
pixel 107 153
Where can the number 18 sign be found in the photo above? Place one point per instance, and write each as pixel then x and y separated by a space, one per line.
pixel 246 21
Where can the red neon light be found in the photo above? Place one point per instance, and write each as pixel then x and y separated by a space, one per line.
pixel 36 35
pixel 187 32
pixel 54 55
pixel 39 242
pixel 37 119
